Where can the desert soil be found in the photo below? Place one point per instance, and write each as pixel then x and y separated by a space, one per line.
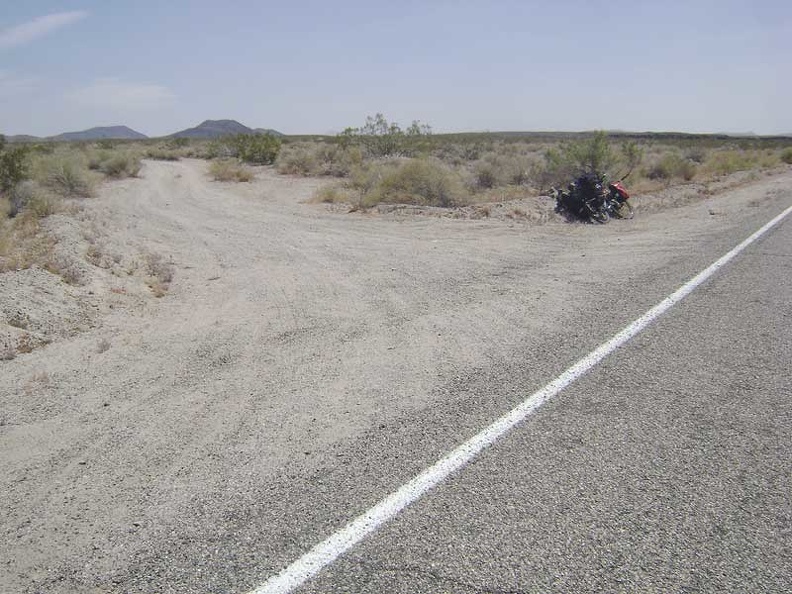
pixel 284 331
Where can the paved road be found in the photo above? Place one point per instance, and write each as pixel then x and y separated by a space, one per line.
pixel 668 469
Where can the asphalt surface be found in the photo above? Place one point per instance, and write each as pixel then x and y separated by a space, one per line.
pixel 667 469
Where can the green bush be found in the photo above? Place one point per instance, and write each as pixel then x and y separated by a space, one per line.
pixel 297 160
pixel 229 170
pixel 14 166
pixel 670 166
pixel 381 138
pixel 318 158
pixel 162 154
pixel 27 196
pixel 121 165
pixel 65 174
pixel 730 161
pixel 504 168
pixel 786 155
pixel 416 181
pixel 178 143
pixel 258 149
pixel 591 155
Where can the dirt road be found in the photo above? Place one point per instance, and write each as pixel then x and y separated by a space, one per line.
pixel 198 441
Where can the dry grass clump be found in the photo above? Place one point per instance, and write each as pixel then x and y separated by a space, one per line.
pixel 162 154
pixel 786 155
pixel 160 274
pixel 66 173
pixel 426 182
pixel 671 166
pixel 725 162
pixel 318 159
pixel 499 169
pixel 23 242
pixel 230 170
pixel 336 194
pixel 119 165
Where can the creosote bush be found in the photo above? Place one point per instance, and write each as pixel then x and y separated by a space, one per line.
pixel 257 149
pixel 120 165
pixel 380 138
pixel 230 170
pixel 671 166
pixel 66 174
pixel 14 166
pixel 786 155
pixel 415 181
pixel 591 155
pixel 318 159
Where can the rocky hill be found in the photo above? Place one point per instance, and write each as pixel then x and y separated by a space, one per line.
pixel 214 129
pixel 102 132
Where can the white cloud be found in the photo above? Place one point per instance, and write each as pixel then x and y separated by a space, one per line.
pixel 116 94
pixel 12 85
pixel 32 30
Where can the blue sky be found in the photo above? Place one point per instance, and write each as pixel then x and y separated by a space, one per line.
pixel 316 67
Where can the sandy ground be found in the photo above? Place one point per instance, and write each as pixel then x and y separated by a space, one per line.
pixel 285 329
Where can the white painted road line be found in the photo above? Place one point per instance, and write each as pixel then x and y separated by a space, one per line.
pixel 350 535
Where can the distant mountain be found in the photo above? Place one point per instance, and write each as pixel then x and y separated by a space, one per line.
pixel 269 131
pixel 23 138
pixel 214 129
pixel 106 132
pixel 218 128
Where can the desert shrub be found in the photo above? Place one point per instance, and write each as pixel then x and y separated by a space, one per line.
pixel 696 154
pixel 670 166
pixel 229 170
pixel 459 153
pixel 14 166
pixel 415 181
pixel 26 195
pixel 485 176
pixel 380 138
pixel 178 143
pixel 160 274
pixel 297 160
pixel 66 174
pixel 591 155
pixel 162 154
pixel 258 149
pixel 730 161
pixel 321 159
pixel 23 243
pixel 106 144
pixel 120 165
pixel 333 194
pixel 786 155
pixel 505 168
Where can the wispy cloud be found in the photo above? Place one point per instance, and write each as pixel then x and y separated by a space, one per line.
pixel 32 30
pixel 12 85
pixel 116 94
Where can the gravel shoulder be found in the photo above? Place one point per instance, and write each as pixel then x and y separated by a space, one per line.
pixel 288 339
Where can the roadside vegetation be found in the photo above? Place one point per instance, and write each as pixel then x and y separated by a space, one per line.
pixel 381 163
pixel 37 181
pixel 230 170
